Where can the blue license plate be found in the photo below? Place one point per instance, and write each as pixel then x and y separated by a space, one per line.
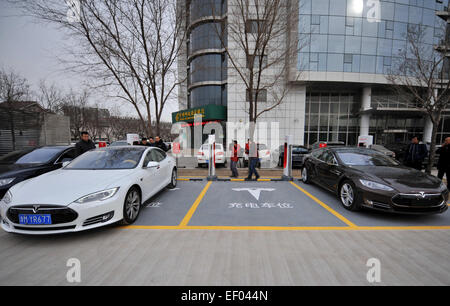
pixel 35 219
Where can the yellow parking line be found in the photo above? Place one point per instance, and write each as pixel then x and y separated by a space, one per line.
pixel 300 228
pixel 335 213
pixel 191 211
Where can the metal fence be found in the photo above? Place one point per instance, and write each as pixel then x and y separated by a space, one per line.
pixel 31 129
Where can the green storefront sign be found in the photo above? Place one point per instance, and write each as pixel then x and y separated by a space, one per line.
pixel 208 113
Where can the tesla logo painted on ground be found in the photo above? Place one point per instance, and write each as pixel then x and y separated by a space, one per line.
pixel 255 192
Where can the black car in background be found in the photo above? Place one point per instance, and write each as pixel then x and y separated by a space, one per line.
pixel 18 166
pixel 298 155
pixel 367 178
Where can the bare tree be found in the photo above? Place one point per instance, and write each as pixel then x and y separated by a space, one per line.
pixel 128 47
pixel 260 46
pixel 50 97
pixel 13 88
pixel 419 77
pixel 75 106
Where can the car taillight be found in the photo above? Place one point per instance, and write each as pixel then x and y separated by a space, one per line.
pixel 201 153
pixel 323 145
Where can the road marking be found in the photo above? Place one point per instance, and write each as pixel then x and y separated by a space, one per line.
pixel 335 213
pixel 280 228
pixel 191 211
pixel 255 192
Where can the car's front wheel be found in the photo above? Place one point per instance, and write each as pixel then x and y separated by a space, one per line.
pixel 349 196
pixel 305 176
pixel 132 206
pixel 173 180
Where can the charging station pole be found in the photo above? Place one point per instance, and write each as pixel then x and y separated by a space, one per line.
pixel 212 158
pixel 287 160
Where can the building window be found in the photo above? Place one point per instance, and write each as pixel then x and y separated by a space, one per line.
pixel 255 26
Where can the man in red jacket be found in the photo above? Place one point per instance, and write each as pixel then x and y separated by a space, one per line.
pixel 235 150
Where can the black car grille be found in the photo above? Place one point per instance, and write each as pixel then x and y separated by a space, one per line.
pixel 60 214
pixel 418 200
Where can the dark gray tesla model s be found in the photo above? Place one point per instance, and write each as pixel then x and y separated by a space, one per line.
pixel 367 178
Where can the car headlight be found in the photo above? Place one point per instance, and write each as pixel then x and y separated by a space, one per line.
pixel 98 196
pixel 7 198
pixel 7 181
pixel 375 186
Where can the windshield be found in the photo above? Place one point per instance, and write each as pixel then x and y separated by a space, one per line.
pixel 107 159
pixel 39 156
pixel 366 159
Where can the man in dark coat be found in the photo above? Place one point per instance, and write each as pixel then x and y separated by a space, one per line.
pixel 415 154
pixel 160 144
pixel 85 144
pixel 444 161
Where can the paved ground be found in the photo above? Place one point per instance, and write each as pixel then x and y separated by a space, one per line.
pixel 240 233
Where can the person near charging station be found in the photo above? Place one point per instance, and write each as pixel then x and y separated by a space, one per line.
pixel 235 150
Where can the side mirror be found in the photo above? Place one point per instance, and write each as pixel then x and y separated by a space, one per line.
pixel 152 165
pixel 66 163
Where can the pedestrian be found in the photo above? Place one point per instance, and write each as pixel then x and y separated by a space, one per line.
pixel 253 157
pixel 144 142
pixel 235 150
pixel 152 142
pixel 444 161
pixel 415 154
pixel 159 143
pixel 85 144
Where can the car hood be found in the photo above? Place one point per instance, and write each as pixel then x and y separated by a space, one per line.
pixel 63 187
pixel 14 170
pixel 402 179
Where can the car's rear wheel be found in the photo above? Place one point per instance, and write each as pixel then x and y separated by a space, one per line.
pixel 173 180
pixel 305 176
pixel 132 206
pixel 349 196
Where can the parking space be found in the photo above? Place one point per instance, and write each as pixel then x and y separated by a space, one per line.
pixel 169 207
pixel 267 206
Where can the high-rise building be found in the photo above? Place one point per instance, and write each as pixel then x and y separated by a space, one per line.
pixel 337 84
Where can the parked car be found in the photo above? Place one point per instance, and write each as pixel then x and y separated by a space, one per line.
pixel 100 187
pixel 298 155
pixel 383 150
pixel 203 156
pixel 119 143
pixel 367 178
pixel 18 166
pixel 326 144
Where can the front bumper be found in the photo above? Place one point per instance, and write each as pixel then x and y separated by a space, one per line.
pixel 384 201
pixel 89 216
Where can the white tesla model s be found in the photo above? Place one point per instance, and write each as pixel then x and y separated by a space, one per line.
pixel 100 187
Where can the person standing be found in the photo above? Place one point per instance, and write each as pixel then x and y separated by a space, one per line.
pixel 416 153
pixel 444 161
pixel 160 144
pixel 144 142
pixel 235 149
pixel 253 157
pixel 85 144
pixel 152 142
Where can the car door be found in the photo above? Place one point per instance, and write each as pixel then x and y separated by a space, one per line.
pixel 329 170
pixel 151 181
pixel 166 166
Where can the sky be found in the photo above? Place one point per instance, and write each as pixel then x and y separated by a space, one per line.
pixel 31 48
